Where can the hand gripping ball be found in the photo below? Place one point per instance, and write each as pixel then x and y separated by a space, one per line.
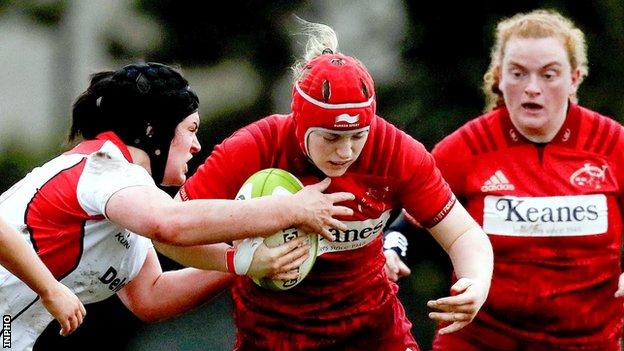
pixel 270 182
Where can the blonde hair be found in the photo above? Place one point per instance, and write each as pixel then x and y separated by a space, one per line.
pixel 320 38
pixel 535 24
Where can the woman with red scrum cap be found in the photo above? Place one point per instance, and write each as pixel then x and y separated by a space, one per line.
pixel 346 302
pixel 86 217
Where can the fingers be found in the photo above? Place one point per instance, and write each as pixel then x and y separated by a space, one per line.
pixel 334 223
pixel 290 275
pixel 65 327
pixel 453 327
pixel 322 185
pixel 342 211
pixel 83 310
pixel 460 286
pixel 289 246
pixel 464 308
pixel 392 274
pixel 452 301
pixel 71 323
pixel 404 270
pixel 620 290
pixel 292 260
pixel 325 233
pixel 340 197
pixel 450 316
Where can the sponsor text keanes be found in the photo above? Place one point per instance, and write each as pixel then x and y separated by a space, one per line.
pixel 546 214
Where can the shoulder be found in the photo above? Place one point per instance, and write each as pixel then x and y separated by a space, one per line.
pixel 388 145
pixel 267 127
pixel 478 136
pixel 599 133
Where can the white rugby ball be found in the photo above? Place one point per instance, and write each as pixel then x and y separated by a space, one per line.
pixel 274 181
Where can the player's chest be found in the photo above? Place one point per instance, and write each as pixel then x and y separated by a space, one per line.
pixel 527 171
pixel 560 193
pixel 374 195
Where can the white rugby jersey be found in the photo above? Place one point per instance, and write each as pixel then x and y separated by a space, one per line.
pixel 58 209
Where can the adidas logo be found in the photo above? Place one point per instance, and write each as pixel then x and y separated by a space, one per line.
pixel 497 182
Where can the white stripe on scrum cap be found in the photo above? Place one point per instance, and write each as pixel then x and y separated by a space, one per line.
pixel 332 131
pixel 333 106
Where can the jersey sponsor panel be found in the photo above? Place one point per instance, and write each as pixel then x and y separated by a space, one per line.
pixel 358 234
pixel 573 215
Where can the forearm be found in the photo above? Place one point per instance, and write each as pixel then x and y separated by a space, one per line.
pixel 472 257
pixel 176 292
pixel 152 213
pixel 21 260
pixel 208 257
pixel 213 221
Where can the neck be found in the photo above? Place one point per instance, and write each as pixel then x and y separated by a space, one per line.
pixel 539 137
pixel 139 157
pixel 548 133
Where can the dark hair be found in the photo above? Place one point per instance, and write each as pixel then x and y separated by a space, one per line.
pixel 141 103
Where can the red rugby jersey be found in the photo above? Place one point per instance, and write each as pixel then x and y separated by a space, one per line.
pixel 554 219
pixel 347 280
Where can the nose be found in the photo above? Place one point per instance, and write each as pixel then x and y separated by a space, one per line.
pixel 533 87
pixel 344 149
pixel 195 145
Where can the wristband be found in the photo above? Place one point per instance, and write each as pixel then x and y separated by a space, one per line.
pixel 229 259
pixel 243 254
pixel 397 242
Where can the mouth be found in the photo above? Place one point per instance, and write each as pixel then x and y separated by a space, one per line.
pixel 531 106
pixel 339 163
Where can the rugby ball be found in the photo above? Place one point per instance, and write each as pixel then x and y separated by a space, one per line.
pixel 274 181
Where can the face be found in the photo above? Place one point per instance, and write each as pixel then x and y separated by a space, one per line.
pixel 537 80
pixel 183 146
pixel 333 153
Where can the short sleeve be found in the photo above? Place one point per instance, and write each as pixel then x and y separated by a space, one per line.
pixel 247 151
pixel 427 196
pixel 106 172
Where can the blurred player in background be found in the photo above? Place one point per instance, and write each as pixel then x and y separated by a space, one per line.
pixel 544 178
pixel 81 210
pixel 346 302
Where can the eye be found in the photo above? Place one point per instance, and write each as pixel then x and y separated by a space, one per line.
pixel 550 75
pixel 330 137
pixel 358 136
pixel 517 73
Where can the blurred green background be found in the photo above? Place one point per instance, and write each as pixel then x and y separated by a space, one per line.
pixel 427 59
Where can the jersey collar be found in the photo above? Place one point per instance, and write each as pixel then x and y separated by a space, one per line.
pixel 567 135
pixel 113 138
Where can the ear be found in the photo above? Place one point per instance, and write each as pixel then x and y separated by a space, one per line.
pixel 498 77
pixel 576 81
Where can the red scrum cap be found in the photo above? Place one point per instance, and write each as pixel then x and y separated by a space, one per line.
pixel 335 93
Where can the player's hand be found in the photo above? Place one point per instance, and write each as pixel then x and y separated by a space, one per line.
pixel 395 267
pixel 620 290
pixel 315 211
pixel 65 307
pixel 281 262
pixel 459 309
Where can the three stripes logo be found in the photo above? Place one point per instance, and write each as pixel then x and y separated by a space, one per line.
pixel 497 182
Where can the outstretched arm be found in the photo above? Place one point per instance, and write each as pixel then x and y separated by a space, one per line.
pixel 471 254
pixel 155 295
pixel 279 262
pixel 150 212
pixel 21 260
